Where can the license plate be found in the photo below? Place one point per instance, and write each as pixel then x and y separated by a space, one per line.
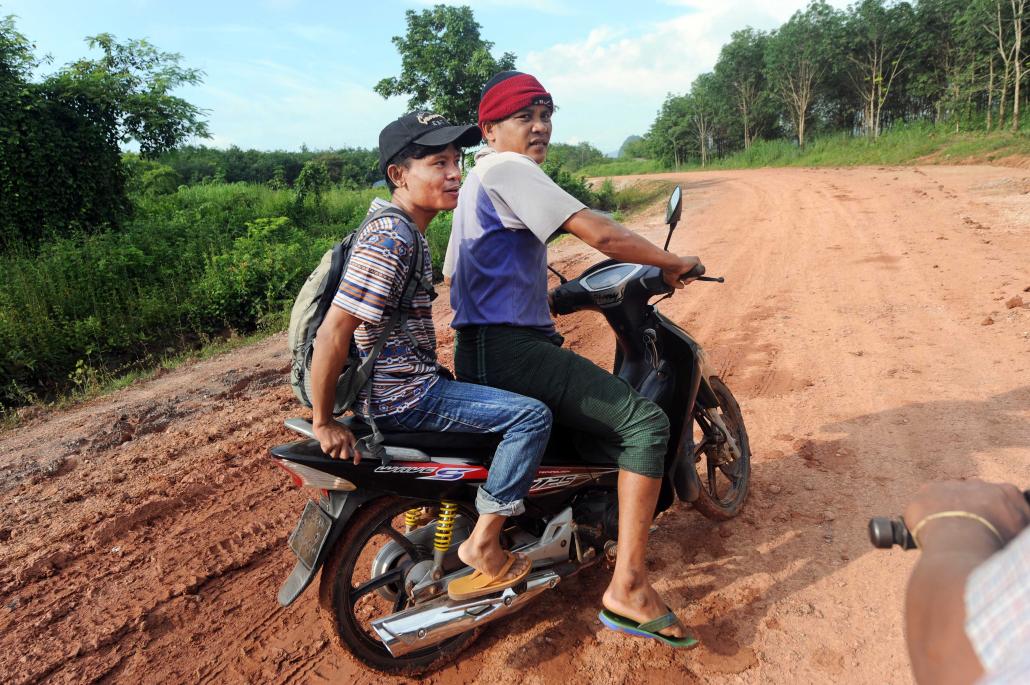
pixel 310 535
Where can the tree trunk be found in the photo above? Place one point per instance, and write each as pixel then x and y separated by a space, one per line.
pixel 990 94
pixel 1004 95
pixel 1017 51
pixel 796 91
pixel 998 31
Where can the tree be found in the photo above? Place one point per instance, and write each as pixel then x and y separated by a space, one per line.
pixel 670 134
pixel 700 108
pixel 880 37
pixel 444 63
pixel 128 90
pixel 574 157
pixel 798 56
pixel 60 157
pixel 1006 28
pixel 313 181
pixel 1018 14
pixel 740 79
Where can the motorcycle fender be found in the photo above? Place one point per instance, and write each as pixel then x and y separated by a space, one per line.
pixel 340 508
pixel 683 474
pixel 705 395
pixel 686 481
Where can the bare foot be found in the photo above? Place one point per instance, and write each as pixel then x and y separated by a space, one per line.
pixel 489 559
pixel 641 604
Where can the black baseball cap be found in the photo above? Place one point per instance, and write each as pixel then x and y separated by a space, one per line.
pixel 423 128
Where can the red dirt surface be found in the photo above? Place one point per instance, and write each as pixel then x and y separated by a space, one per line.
pixel 143 536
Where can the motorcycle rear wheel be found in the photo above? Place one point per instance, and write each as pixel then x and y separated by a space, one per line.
pixel 721 498
pixel 344 592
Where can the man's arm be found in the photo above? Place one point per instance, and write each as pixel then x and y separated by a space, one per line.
pixel 331 349
pixel 951 549
pixel 618 242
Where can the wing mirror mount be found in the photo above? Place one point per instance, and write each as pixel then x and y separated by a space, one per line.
pixel 673 212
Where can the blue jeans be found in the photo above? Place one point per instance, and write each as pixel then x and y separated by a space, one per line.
pixel 467 408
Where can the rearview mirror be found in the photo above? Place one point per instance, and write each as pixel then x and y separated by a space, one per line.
pixel 675 208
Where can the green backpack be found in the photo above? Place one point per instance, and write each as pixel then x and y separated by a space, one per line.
pixel 312 305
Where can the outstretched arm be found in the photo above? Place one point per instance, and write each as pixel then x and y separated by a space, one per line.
pixel 618 242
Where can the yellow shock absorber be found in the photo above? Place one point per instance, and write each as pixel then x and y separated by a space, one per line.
pixel 411 519
pixel 445 526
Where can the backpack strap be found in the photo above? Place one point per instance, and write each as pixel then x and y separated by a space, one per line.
pixel 338 267
pixel 416 280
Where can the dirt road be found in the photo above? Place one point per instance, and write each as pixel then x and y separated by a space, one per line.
pixel 863 326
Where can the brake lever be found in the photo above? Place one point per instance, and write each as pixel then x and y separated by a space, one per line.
pixel 712 279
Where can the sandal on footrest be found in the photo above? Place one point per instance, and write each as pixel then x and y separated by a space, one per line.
pixel 477 584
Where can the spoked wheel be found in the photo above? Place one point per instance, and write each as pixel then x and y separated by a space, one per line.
pixel 724 475
pixel 358 587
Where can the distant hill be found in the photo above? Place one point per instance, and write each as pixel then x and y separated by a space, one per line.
pixel 622 148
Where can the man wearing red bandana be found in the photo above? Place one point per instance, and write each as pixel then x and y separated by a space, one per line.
pixel 505 337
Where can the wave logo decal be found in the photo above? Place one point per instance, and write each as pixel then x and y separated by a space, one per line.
pixel 449 473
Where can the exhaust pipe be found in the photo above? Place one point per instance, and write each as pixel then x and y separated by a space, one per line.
pixel 433 622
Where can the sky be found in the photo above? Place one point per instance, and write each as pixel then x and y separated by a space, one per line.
pixel 284 73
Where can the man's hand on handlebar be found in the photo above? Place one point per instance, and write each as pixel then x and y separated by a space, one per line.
pixel 337 441
pixel 676 276
pixel 1003 505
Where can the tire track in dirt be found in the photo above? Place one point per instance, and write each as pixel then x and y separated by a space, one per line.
pixel 143 535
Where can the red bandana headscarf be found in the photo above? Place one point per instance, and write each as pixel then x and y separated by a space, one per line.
pixel 507 93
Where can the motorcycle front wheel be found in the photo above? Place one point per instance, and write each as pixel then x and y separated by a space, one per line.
pixel 724 477
pixel 354 590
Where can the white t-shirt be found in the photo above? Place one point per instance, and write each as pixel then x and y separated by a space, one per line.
pixel 497 257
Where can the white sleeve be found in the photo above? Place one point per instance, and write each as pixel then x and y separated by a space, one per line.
pixel 538 202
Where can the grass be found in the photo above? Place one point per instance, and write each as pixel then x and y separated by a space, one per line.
pixel 623 167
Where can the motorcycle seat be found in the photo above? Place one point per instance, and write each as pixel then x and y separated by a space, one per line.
pixel 446 440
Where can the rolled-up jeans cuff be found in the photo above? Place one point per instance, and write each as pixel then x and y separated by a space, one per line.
pixel 488 504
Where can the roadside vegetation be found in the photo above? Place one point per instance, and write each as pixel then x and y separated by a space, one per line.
pixel 917 143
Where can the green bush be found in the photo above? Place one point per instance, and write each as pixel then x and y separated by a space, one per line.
pixel 605 196
pixel 256 280
pixel 574 185
pixel 188 266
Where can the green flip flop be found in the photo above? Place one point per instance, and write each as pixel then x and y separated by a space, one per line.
pixel 621 624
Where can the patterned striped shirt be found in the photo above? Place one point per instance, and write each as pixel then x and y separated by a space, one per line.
pixel 370 290
pixel 998 613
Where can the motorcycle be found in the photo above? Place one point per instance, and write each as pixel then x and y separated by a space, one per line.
pixel 385 532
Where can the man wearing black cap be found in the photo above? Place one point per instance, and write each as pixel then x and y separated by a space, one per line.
pixel 419 154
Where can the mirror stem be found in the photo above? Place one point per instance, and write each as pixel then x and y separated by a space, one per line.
pixel 672 227
pixel 561 279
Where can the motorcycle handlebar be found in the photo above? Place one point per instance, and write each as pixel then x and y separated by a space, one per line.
pixel 886 532
pixel 696 272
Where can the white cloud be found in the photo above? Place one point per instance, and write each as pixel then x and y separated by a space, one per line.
pixel 610 83
pixel 276 106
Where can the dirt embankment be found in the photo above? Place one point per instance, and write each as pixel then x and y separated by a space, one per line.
pixel 869 325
